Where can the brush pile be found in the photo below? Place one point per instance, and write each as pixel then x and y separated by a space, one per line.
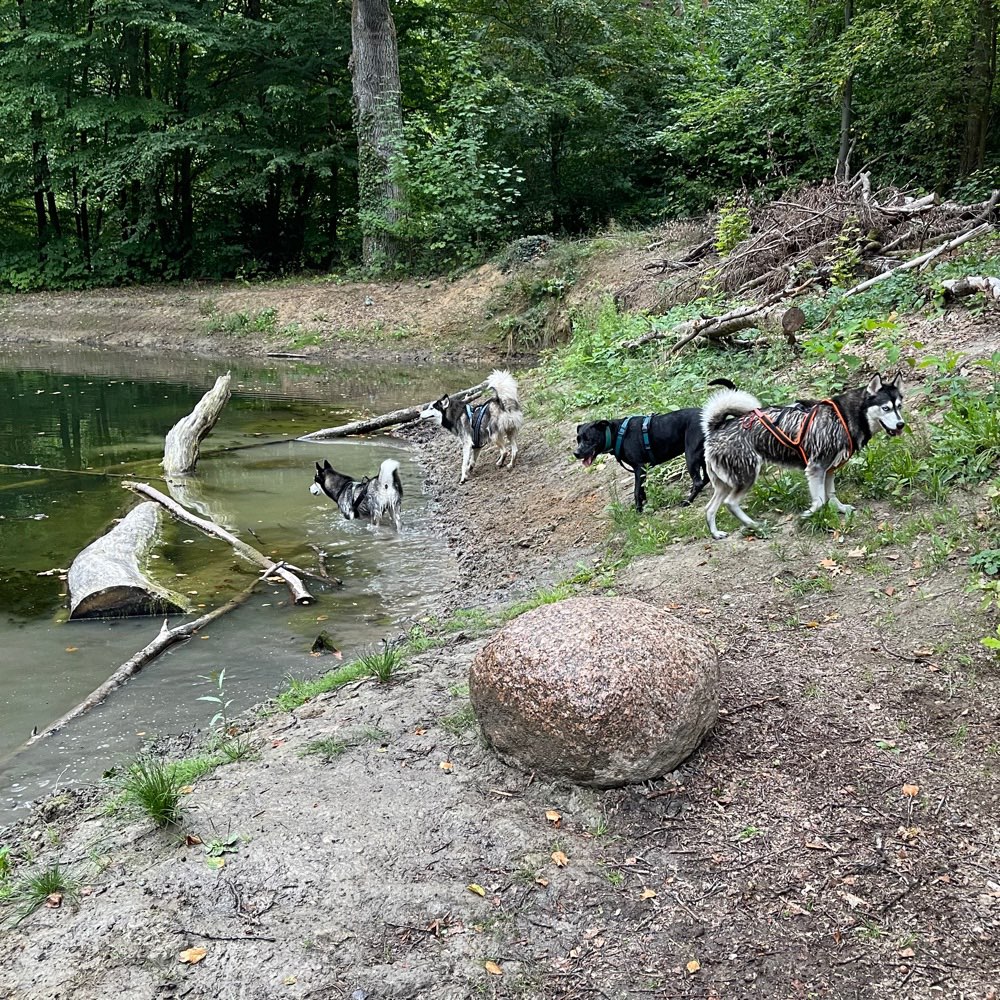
pixel 844 234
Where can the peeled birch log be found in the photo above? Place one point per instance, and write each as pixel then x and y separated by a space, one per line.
pixel 958 288
pixel 285 571
pixel 106 580
pixel 180 450
pixel 402 416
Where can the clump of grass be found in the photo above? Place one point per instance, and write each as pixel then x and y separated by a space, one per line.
pixel 6 864
pixel 458 722
pixel 35 888
pixel 154 788
pixel 239 748
pixel 382 664
pixel 327 749
pixel 300 691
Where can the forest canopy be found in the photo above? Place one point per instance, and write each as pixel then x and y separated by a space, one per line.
pixel 163 139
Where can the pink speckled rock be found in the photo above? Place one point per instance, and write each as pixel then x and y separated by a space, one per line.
pixel 601 690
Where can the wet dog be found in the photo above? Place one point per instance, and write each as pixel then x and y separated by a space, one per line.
pixel 370 498
pixel 817 436
pixel 495 422
pixel 640 442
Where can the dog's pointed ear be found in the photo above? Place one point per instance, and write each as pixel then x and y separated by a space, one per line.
pixel 445 401
pixel 319 468
pixel 897 382
pixel 327 465
pixel 874 385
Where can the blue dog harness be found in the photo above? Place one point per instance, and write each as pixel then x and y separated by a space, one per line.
pixel 622 430
pixel 476 420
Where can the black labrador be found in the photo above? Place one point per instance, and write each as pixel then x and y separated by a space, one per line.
pixel 652 439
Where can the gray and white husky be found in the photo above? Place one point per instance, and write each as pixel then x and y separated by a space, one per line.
pixel 372 498
pixel 816 435
pixel 495 422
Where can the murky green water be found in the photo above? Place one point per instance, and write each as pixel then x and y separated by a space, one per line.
pixel 88 411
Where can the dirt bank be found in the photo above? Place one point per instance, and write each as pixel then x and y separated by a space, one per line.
pixel 784 860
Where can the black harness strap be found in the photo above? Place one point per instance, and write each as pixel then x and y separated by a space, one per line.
pixel 622 429
pixel 476 415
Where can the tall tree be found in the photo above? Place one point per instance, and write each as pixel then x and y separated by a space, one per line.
pixel 378 115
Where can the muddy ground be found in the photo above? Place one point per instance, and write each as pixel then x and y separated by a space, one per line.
pixel 784 860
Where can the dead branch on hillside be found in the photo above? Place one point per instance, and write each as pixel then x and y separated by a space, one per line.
pixel 958 288
pixel 288 573
pixel 402 416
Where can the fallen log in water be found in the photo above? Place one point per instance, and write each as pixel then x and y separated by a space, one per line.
pixel 180 449
pixel 281 569
pixel 166 637
pixel 106 579
pixel 402 416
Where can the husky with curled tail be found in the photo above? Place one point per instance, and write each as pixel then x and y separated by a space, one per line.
pixel 495 422
pixel 371 498
pixel 818 436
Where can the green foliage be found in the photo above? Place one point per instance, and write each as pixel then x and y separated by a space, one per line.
pixel 34 888
pixel 732 228
pixel 300 691
pixel 987 561
pixel 326 748
pixel 383 664
pixel 154 788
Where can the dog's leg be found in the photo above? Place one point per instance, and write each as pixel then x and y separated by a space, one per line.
pixel 722 490
pixel 513 451
pixel 831 496
pixel 816 480
pixel 699 480
pixel 639 493
pixel 468 460
pixel 733 503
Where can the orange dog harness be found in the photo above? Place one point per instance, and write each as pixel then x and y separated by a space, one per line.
pixel 795 443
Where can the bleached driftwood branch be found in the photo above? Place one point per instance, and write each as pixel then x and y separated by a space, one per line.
pixel 180 449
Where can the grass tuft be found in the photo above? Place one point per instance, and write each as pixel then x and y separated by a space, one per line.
pixel 154 788
pixel 35 889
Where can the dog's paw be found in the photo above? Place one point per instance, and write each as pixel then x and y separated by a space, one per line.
pixel 720 534
pixel 845 508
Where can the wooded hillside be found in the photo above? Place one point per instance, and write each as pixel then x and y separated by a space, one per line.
pixel 163 139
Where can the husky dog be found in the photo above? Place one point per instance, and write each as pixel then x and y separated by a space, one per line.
pixel 637 442
pixel 818 436
pixel 371 498
pixel 495 422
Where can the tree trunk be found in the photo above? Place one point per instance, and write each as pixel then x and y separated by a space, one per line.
pixel 842 172
pixel 180 450
pixel 378 116
pixel 981 77
pixel 105 579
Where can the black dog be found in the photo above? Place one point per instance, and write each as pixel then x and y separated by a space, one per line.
pixel 638 442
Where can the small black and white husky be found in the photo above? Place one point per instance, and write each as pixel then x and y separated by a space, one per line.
pixel 818 436
pixel 370 497
pixel 495 422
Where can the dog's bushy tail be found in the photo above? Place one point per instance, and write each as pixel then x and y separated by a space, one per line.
pixel 388 494
pixel 505 386
pixel 388 475
pixel 722 405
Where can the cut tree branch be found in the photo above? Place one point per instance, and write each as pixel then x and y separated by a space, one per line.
pixel 180 449
pixel 287 572
pixel 958 288
pixel 166 637
pixel 403 416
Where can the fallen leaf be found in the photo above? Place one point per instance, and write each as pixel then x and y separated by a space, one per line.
pixel 446 765
pixel 72 649
pixel 560 859
pixel 910 790
pixel 493 969
pixel 889 591
pixel 794 910
pixel 828 563
pixel 852 901
pixel 648 894
pixel 811 625
pixel 543 882
pixel 190 839
pixel 276 743
pixel 553 817
pixel 858 553
pixel 54 900
pixel 693 966
pixel 290 980
pixel 906 953
pixel 186 789
pixel 477 889
pixel 216 863
pixel 923 654
pixel 818 845
pixel 420 731
pixel 192 956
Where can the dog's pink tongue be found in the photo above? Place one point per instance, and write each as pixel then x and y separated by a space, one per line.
pixel 589 460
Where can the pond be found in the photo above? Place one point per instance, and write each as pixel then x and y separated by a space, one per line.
pixel 93 414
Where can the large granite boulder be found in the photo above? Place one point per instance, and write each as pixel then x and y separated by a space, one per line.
pixel 600 690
